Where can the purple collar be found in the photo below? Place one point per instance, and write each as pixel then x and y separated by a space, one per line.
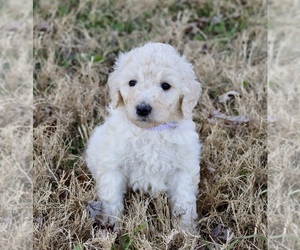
pixel 164 126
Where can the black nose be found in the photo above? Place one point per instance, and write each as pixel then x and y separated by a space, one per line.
pixel 143 109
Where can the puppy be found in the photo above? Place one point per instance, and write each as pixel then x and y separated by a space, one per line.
pixel 149 142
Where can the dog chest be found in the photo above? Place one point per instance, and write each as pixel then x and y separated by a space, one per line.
pixel 152 154
pixel 148 162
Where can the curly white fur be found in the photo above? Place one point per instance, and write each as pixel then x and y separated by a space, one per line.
pixel 126 151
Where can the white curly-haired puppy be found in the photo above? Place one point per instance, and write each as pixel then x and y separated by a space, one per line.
pixel 149 141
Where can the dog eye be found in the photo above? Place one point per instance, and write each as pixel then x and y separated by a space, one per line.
pixel 132 83
pixel 165 86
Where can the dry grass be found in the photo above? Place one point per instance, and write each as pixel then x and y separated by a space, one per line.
pixel 284 137
pixel 75 44
pixel 15 125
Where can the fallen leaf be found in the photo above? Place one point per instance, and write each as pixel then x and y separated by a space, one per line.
pixel 217 19
pixel 229 120
pixel 44 26
pixel 220 232
pixel 39 222
pixel 211 169
pixel 202 22
pixel 228 96
pixel 94 208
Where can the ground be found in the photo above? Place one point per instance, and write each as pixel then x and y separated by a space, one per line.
pixel 75 44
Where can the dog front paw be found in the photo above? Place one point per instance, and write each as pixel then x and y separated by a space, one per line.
pixel 185 218
pixel 108 225
pixel 179 211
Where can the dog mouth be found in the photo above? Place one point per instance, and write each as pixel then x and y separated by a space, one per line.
pixel 144 119
pixel 145 122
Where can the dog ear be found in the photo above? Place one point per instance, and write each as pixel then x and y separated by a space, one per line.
pixel 114 90
pixel 191 94
pixel 114 83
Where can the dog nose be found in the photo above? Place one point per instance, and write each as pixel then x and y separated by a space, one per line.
pixel 143 109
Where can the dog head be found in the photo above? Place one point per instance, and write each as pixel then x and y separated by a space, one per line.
pixel 154 84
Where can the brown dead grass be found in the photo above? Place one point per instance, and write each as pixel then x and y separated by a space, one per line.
pixel 70 96
pixel 284 137
pixel 70 100
pixel 16 222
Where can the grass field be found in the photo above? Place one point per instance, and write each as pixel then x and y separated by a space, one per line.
pixel 284 136
pixel 75 44
pixel 16 221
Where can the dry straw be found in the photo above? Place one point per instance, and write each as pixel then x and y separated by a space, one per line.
pixel 74 46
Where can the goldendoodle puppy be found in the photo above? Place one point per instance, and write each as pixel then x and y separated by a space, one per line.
pixel 149 141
